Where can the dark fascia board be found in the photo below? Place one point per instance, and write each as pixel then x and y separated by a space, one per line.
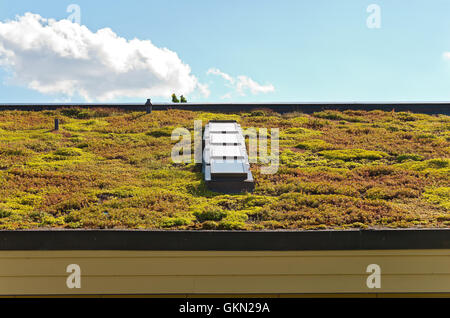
pixel 224 240
pixel 282 107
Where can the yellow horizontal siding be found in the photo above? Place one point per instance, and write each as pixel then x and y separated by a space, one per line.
pixel 240 272
pixel 224 266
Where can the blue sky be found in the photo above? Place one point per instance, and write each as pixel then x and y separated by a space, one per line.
pixel 306 50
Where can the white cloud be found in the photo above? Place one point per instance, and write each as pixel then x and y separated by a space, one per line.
pixel 225 76
pixel 226 96
pixel 62 57
pixel 245 82
pixel 242 83
pixel 204 89
pixel 446 55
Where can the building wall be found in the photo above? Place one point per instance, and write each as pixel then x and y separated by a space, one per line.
pixel 224 272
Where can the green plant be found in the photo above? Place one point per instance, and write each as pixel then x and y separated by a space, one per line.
pixel 161 132
pixel 315 145
pixel 4 214
pixel 409 156
pixel 210 214
pixel 353 154
pixel 439 196
pixel 175 98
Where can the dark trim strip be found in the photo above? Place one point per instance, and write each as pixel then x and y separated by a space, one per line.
pixel 224 240
pixel 415 107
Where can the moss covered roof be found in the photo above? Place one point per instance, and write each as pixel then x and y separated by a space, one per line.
pixel 107 168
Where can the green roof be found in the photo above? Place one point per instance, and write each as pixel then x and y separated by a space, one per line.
pixel 107 168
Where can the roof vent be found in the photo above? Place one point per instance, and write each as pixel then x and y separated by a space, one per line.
pixel 225 161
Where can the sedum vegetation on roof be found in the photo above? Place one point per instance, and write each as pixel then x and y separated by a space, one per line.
pixel 107 168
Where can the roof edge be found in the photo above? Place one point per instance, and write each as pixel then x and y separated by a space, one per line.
pixel 281 107
pixel 224 240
